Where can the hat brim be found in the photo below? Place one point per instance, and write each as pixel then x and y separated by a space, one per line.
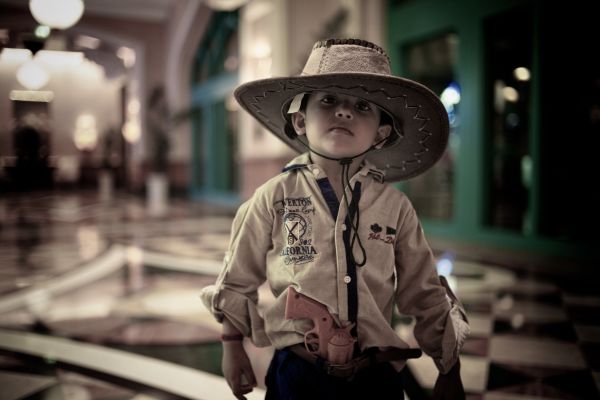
pixel 420 119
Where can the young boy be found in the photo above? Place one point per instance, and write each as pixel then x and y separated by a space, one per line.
pixel 338 246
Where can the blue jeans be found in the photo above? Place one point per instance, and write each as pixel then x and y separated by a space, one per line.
pixel 291 378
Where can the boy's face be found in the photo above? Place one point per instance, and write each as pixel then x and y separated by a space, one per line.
pixel 340 125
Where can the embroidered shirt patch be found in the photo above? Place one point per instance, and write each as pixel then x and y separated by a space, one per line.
pixel 297 229
pixel 378 234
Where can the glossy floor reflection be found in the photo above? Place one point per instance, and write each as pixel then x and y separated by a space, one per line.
pixel 99 300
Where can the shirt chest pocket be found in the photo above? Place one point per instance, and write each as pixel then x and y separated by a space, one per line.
pixel 378 238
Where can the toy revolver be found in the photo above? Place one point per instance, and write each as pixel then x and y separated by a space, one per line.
pixel 326 340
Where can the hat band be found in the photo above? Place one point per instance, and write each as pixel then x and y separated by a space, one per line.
pixel 346 58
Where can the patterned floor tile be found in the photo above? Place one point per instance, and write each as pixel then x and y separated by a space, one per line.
pixel 573 299
pixel 476 347
pixel 507 308
pixel 561 383
pixel 579 384
pixel 596 376
pixel 535 352
pixel 82 327
pixel 158 333
pixel 591 352
pixel 20 385
pixel 512 396
pixel 502 376
pixel 537 389
pixel 77 386
pixel 481 324
pixel 558 330
pixel 531 288
pixel 585 315
pixel 587 333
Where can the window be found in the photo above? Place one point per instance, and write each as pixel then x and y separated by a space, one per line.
pixel 508 54
pixel 432 62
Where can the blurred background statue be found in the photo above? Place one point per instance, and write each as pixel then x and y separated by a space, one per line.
pixel 158 130
pixel 158 124
pixel 32 170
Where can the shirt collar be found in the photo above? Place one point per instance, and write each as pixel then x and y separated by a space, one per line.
pixel 303 161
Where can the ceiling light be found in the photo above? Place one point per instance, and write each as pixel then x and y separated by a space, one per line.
pixel 32 75
pixel 510 94
pixel 15 55
pixel 42 31
pixel 522 74
pixel 89 42
pixel 43 96
pixel 225 5
pixel 59 14
pixel 127 55
pixel 59 58
pixel 86 134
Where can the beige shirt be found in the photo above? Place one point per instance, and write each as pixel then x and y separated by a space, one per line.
pixel 286 234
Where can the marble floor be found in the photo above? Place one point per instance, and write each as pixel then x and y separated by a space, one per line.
pixel 99 300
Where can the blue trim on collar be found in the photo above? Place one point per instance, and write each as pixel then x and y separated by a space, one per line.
pixel 330 197
pixel 293 167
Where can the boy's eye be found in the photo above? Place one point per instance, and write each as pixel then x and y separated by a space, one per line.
pixel 328 99
pixel 363 106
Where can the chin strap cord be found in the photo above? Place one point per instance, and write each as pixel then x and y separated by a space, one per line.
pixel 345 162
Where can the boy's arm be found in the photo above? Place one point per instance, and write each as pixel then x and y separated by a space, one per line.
pixel 234 295
pixel 236 365
pixel 441 325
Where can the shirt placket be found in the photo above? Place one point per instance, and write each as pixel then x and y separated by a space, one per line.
pixel 339 213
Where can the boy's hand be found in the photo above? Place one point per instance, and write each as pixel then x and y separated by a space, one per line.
pixel 237 369
pixel 449 386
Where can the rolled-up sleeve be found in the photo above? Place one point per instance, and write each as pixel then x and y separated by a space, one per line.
pixel 234 295
pixel 441 324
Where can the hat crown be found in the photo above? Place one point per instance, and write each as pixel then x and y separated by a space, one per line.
pixel 346 55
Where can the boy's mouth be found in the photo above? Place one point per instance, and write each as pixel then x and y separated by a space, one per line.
pixel 342 129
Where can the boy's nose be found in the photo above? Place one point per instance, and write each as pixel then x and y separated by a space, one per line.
pixel 344 111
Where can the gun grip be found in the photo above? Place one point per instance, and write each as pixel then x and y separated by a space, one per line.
pixel 290 308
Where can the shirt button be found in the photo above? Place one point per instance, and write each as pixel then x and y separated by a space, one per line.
pixel 316 171
pixel 344 227
pixel 347 279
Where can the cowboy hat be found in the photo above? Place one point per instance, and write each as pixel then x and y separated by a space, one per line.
pixel 361 69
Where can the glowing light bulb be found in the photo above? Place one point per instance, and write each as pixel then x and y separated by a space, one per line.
pixel 59 14
pixel 32 75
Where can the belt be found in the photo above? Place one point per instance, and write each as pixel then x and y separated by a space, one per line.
pixel 352 367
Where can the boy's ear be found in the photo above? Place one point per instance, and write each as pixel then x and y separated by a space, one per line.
pixel 383 132
pixel 299 122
